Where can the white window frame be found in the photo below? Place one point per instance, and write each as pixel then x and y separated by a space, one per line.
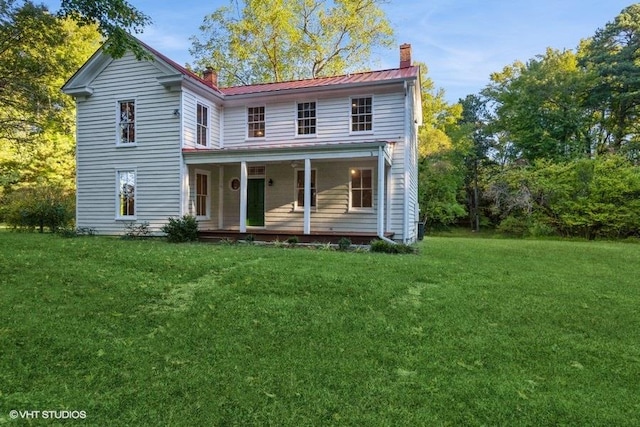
pixel 119 215
pixel 206 127
pixel 360 208
pixel 298 119
pixel 296 206
pixel 119 141
pixel 207 206
pixel 248 123
pixel 373 119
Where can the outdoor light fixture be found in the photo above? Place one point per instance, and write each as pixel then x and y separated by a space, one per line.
pixel 270 182
pixel 176 112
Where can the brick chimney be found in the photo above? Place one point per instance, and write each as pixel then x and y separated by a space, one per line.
pixel 405 55
pixel 210 76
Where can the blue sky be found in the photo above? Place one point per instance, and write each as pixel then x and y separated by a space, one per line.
pixel 461 41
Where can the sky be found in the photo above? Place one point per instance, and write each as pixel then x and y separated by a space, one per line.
pixel 461 41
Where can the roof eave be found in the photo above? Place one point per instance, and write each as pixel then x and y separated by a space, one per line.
pixel 316 89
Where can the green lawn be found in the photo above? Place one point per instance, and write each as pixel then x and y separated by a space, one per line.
pixel 467 332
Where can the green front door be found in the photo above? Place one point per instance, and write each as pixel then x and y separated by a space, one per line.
pixel 255 202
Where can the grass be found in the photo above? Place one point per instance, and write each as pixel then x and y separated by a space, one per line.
pixel 467 332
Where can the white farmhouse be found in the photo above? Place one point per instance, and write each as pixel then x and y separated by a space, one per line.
pixel 321 158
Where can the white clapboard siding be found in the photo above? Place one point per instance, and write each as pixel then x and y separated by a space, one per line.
pixel 155 157
pixel 189 117
pixel 332 123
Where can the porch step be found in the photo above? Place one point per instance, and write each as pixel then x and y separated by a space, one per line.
pixel 213 236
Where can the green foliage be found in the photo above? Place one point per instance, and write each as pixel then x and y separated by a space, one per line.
pixel 293 240
pixel 69 231
pixel 136 230
pixel 259 41
pixel 36 119
pixel 441 149
pixel 344 243
pixel 589 198
pixel 440 182
pixel 41 206
pixel 180 230
pixel 612 59
pixel 539 107
pixel 114 19
pixel 391 248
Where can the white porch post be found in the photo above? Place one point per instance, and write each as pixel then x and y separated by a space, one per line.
pixel 243 197
pixel 380 192
pixel 307 196
pixel 221 197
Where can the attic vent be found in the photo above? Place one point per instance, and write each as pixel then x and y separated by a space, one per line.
pixel 256 171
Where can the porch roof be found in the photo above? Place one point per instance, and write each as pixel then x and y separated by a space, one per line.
pixel 288 152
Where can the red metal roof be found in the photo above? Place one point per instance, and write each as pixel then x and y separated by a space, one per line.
pixel 179 67
pixel 364 77
pixel 354 78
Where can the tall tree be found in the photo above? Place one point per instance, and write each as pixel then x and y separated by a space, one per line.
pixel 613 55
pixel 114 19
pixel 257 41
pixel 473 121
pixel 539 106
pixel 38 52
pixel 442 147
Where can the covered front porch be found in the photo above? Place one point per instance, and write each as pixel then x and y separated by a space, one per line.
pixel 318 193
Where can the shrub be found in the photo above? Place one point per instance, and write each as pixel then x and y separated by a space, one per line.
pixel 86 231
pixel 180 230
pixel 514 226
pixel 75 232
pixel 40 206
pixel 293 240
pixel 135 231
pixel 587 197
pixel 344 244
pixel 67 232
pixel 391 248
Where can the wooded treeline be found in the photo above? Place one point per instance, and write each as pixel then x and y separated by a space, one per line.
pixel 551 146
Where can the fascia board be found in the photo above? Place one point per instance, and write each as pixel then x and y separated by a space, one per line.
pixel 87 73
pixel 254 96
pixel 324 152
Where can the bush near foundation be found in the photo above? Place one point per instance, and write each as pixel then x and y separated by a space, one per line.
pixel 179 230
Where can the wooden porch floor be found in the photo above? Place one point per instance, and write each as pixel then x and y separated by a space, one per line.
pixel 273 235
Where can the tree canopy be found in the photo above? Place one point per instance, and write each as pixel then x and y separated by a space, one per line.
pixel 114 20
pixel 258 41
pixel 38 52
pixel 550 146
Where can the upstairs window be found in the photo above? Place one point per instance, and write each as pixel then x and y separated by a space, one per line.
pixel 126 122
pixel 126 193
pixel 361 188
pixel 306 118
pixel 202 131
pixel 255 122
pixel 362 114
pixel 300 188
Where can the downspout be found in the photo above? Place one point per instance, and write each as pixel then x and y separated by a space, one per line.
pixel 381 196
pixel 407 177
pixel 184 169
